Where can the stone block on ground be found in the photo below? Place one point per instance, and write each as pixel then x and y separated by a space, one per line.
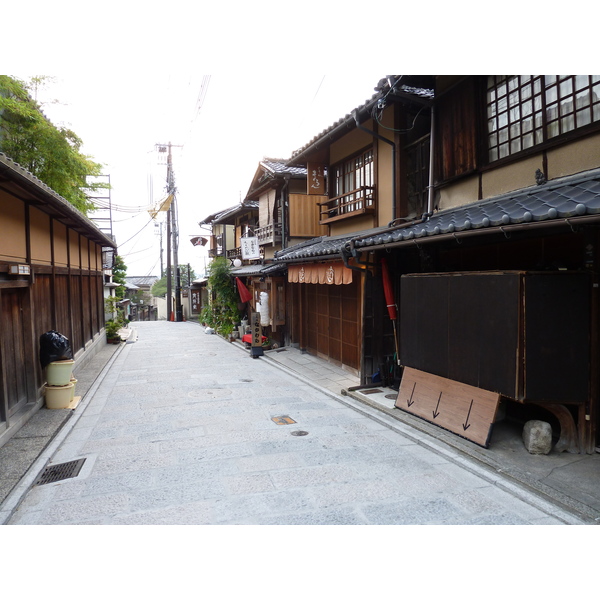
pixel 537 437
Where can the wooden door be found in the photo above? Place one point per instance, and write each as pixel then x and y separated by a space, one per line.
pixel 13 348
pixel 332 320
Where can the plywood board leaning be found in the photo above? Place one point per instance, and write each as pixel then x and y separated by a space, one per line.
pixel 463 409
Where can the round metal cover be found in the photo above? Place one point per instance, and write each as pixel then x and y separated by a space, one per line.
pixel 298 433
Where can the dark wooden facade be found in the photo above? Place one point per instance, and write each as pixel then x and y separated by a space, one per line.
pixel 62 291
pixel 325 320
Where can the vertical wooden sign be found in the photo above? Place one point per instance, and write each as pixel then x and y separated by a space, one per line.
pixel 257 349
pixel 315 179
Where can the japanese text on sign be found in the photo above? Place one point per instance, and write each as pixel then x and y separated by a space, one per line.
pixel 250 248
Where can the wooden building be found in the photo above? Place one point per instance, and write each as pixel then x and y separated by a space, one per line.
pixel 356 185
pixel 479 197
pixel 52 264
pixel 497 284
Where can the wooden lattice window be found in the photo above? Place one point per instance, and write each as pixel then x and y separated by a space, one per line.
pixel 526 110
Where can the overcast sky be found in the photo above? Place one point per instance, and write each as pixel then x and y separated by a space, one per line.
pixel 220 125
pixel 129 75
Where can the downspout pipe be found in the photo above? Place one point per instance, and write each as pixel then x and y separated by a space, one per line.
pixel 284 208
pixel 431 159
pixel 393 145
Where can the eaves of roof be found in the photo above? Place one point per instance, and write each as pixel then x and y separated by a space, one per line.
pixel 143 280
pixel 275 172
pixel 20 182
pixel 400 93
pixel 280 167
pixel 257 269
pixel 566 201
pixel 320 248
pixel 229 213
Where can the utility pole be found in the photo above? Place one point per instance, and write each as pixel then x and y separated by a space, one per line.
pixel 172 244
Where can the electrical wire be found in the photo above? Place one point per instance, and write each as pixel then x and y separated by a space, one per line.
pixel 377 112
pixel 135 234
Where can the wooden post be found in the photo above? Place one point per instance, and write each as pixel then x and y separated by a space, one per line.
pixel 257 349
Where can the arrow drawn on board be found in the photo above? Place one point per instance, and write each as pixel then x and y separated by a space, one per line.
pixel 435 412
pixel 410 401
pixel 465 426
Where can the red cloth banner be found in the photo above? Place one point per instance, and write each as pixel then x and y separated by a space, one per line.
pixel 245 295
pixel 388 291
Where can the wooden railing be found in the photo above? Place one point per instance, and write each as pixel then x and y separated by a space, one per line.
pixel 357 202
pixel 269 234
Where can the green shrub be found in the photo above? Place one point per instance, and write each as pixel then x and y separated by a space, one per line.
pixel 222 314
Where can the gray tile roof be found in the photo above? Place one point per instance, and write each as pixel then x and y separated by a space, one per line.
pixel 565 198
pixel 257 269
pixel 137 281
pixel 278 166
pixel 321 247
pixel 228 213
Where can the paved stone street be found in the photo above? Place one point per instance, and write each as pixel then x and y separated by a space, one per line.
pixel 186 428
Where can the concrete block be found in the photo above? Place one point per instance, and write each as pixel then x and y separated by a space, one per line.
pixel 537 437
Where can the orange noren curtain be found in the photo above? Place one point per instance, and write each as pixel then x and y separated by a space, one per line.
pixel 325 273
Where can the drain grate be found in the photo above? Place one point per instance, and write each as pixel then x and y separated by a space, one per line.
pixel 59 472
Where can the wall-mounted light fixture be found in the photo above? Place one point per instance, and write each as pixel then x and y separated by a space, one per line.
pixel 19 270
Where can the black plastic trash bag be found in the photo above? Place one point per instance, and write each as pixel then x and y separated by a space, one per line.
pixel 54 346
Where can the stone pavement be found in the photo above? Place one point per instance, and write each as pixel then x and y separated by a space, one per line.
pixel 184 428
pixel 25 447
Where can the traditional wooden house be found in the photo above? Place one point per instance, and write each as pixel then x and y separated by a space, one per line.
pixel 497 283
pixel 359 181
pixel 52 265
pixel 228 227
pixel 461 244
pixel 288 213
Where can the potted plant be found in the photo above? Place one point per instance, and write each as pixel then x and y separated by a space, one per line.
pixel 112 331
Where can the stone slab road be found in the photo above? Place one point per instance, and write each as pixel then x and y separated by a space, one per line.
pixel 185 428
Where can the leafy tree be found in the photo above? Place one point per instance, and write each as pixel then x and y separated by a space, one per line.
pixel 187 275
pixel 222 314
pixel 50 153
pixel 119 270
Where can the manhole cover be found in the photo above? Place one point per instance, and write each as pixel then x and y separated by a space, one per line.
pixel 299 433
pixel 59 472
pixel 375 391
pixel 391 396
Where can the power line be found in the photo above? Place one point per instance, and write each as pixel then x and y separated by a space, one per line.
pixel 135 234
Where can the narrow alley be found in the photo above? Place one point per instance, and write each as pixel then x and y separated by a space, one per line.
pixel 186 429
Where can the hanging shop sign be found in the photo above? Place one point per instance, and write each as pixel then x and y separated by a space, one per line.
pixel 334 273
pixel 315 181
pixel 250 248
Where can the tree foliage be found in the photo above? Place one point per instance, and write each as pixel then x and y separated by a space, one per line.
pixel 119 271
pixel 50 153
pixel 222 314
pixel 187 275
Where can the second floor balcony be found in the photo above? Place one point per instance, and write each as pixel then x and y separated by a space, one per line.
pixel 361 201
pixel 271 234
